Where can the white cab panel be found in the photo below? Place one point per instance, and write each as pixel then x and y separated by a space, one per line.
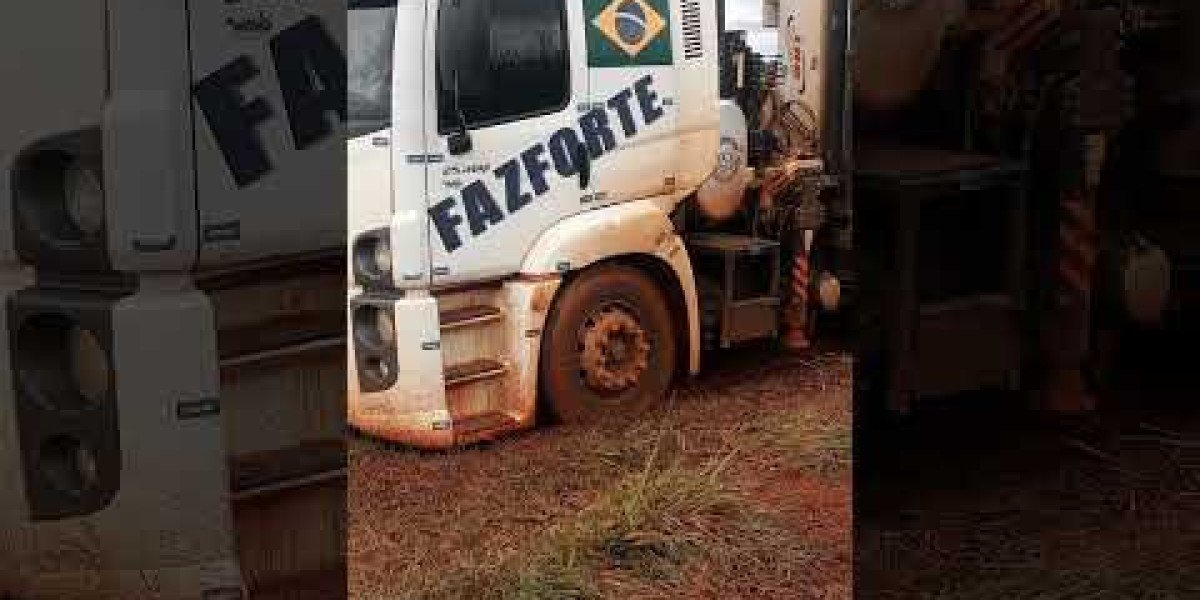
pixel 270 108
pixel 488 205
pixel 803 38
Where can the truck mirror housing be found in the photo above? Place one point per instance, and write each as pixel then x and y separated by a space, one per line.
pixel 459 142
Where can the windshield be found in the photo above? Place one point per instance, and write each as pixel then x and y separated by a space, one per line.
pixel 371 27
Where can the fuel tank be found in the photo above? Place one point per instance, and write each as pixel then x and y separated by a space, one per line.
pixel 721 195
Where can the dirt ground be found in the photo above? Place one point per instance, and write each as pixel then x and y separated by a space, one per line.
pixel 738 487
pixel 978 497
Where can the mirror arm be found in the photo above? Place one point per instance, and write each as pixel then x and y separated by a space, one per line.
pixel 460 141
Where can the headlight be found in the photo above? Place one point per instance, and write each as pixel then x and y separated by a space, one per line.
pixel 88 364
pixel 373 259
pixel 65 401
pixel 374 327
pixel 68 464
pixel 377 369
pixel 385 327
pixel 383 256
pixel 83 193
pixel 374 333
pixel 62 364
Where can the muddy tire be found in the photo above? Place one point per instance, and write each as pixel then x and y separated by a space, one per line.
pixel 609 346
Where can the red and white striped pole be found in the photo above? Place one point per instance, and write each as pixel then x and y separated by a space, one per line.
pixel 1067 336
pixel 796 319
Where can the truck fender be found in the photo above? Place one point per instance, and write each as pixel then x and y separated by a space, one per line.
pixel 632 229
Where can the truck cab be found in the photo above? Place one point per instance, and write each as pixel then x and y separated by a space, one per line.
pixel 500 154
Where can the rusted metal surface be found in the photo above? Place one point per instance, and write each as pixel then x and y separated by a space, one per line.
pixel 461 374
pixel 468 316
pixel 473 374
pixel 616 351
pixel 288 468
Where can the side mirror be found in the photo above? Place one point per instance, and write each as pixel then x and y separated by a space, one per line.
pixel 459 142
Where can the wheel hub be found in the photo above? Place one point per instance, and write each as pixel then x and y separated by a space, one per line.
pixel 615 350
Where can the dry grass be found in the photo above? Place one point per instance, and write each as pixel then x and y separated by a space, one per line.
pixel 639 538
pixel 985 501
pixel 1072 585
pixel 813 439
pixel 724 493
pixel 643 527
pixel 640 526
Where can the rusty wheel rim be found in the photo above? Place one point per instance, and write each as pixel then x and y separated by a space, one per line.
pixel 614 349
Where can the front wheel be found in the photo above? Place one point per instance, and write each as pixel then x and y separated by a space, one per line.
pixel 609 346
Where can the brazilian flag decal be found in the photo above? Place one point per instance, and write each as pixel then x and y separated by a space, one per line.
pixel 628 33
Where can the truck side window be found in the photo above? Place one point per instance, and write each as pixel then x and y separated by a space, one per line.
pixel 508 60
pixel 370 26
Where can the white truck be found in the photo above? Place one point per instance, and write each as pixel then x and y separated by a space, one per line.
pixel 173 259
pixel 172 288
pixel 548 204
pixel 554 209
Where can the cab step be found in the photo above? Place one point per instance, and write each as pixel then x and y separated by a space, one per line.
pixel 470 372
pixel 481 427
pixel 302 465
pixel 469 316
pixel 309 350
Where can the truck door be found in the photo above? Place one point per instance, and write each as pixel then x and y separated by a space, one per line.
pixel 632 58
pixel 505 154
pixel 386 91
pixel 270 89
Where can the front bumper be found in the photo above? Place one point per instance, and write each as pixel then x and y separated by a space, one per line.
pixel 412 409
